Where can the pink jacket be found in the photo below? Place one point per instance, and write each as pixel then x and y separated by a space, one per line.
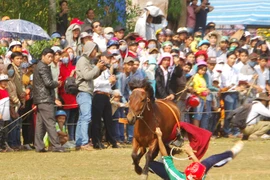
pixel 191 17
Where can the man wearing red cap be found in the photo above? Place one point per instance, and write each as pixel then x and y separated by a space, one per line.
pixel 196 170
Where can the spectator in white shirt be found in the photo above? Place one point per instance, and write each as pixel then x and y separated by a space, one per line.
pixel 243 58
pixel 248 72
pixel 101 106
pixel 255 127
pixel 98 37
pixel 229 76
pixel 229 80
pixel 223 48
pixel 263 73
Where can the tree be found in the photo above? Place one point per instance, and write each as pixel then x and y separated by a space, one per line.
pixel 52 21
pixel 177 14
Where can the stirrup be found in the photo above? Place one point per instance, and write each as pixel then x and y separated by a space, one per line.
pixel 178 141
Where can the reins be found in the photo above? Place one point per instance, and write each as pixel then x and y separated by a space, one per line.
pixel 175 116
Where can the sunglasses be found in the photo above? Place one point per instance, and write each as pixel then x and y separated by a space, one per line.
pixel 97 26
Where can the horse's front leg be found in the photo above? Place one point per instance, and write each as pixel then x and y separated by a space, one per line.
pixel 149 157
pixel 137 157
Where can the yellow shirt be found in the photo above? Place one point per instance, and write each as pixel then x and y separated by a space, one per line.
pixel 26 79
pixel 193 46
pixel 199 85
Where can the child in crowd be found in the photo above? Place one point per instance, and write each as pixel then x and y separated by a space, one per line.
pixel 13 138
pixel 132 49
pixel 4 111
pixel 263 73
pixel 118 113
pixel 190 57
pixel 203 45
pixel 194 43
pixel 200 88
pixel 167 47
pixel 61 129
pixel 242 88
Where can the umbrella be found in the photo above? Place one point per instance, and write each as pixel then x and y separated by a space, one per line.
pixel 21 29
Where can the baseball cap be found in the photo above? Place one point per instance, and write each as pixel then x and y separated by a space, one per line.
pixel 253 56
pixel 106 54
pixel 108 30
pixel 224 38
pixel 210 25
pixel 182 30
pixel 119 28
pixel 85 34
pixel 128 59
pixel 132 42
pixel 234 40
pixel 55 35
pixel 4 77
pixel 153 49
pixel 247 33
pixel 212 60
pixel 76 21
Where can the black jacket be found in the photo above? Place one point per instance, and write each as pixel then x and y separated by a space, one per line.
pixel 175 76
pixel 162 91
pixel 43 84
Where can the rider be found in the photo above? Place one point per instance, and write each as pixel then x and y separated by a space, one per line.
pixel 196 170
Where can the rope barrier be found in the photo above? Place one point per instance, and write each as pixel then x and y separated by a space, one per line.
pixel 18 118
pixel 206 112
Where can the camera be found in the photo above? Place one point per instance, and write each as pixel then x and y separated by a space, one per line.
pixel 107 65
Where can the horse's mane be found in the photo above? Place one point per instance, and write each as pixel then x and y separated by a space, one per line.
pixel 142 83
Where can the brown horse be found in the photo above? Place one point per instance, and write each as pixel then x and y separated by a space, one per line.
pixel 147 114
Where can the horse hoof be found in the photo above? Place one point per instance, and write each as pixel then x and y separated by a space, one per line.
pixel 138 170
pixel 144 176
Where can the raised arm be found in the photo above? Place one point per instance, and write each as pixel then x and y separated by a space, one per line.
pixel 162 148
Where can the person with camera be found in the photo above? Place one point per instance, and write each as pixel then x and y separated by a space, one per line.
pixel 101 106
pixel 86 72
pixel 201 15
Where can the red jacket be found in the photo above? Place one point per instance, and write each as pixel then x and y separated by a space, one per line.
pixel 199 138
pixel 65 71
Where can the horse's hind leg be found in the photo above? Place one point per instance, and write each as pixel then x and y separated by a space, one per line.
pixel 149 157
pixel 136 157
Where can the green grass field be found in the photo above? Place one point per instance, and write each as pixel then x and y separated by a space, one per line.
pixel 252 164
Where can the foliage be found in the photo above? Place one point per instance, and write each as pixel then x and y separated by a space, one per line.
pixel 37 47
pixel 3 50
pixel 36 11
pixel 174 9
pixel 265 33
pixel 132 12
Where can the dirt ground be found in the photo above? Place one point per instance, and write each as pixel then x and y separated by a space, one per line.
pixel 113 164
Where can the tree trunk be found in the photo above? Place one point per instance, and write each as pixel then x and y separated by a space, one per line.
pixel 183 17
pixel 52 16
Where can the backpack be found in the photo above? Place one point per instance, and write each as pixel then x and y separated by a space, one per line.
pixel 70 86
pixel 238 117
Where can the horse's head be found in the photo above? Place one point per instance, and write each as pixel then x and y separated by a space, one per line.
pixel 138 101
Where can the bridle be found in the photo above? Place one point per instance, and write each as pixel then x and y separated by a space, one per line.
pixel 145 105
